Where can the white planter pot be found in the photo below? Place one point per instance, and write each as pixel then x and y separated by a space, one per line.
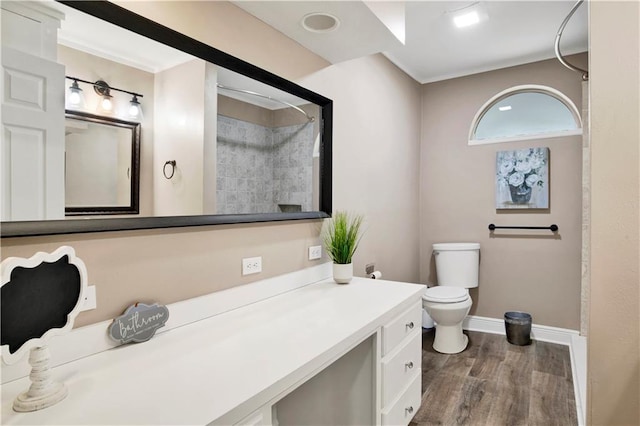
pixel 342 273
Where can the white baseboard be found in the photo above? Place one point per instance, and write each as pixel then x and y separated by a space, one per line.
pixel 578 348
pixel 563 336
pixel 542 333
pixel 92 339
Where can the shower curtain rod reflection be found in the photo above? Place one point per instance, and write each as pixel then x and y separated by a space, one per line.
pixel 249 92
pixel 563 61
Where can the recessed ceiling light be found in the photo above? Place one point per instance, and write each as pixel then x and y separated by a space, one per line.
pixel 466 19
pixel 505 108
pixel 320 22
pixel 468 15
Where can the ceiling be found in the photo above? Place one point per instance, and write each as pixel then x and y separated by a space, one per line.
pixel 418 36
pixel 511 33
pixel 99 38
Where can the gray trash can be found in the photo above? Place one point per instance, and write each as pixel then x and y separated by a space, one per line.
pixel 518 328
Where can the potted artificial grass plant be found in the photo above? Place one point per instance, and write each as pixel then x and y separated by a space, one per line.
pixel 341 237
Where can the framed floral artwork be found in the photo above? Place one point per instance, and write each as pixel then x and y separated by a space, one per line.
pixel 522 179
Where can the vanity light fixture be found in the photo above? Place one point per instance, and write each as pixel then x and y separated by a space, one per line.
pixel 505 108
pixel 135 109
pixel 106 104
pixel 75 98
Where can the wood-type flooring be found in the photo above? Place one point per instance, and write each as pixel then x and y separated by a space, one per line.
pixel 495 383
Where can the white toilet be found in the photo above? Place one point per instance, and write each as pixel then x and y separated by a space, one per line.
pixel 449 302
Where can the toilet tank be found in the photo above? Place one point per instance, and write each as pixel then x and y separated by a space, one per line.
pixel 457 264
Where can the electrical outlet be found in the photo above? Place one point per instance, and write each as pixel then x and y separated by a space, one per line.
pixel 315 252
pixel 251 265
pixel 89 302
pixel 369 268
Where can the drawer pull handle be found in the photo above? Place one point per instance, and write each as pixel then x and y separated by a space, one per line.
pixel 410 325
pixel 409 410
pixel 409 364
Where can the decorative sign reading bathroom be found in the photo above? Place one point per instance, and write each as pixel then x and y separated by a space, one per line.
pixel 522 179
pixel 138 323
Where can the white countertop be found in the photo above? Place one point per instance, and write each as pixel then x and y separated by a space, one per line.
pixel 223 367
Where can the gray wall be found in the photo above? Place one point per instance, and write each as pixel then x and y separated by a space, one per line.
pixel 529 271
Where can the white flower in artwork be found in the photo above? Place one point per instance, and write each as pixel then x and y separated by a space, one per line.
pixel 506 167
pixel 523 166
pixel 516 179
pixel 516 166
pixel 532 180
pixel 536 161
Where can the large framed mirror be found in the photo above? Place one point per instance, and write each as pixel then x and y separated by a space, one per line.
pixel 220 140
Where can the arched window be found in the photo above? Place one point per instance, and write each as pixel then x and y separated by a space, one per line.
pixel 525 112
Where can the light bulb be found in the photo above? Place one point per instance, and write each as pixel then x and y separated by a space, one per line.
pixel 134 110
pixel 74 98
pixel 107 105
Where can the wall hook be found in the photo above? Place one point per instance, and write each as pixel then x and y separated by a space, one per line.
pixel 171 163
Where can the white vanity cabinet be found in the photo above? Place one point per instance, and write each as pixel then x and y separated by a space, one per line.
pixel 401 362
pixel 319 354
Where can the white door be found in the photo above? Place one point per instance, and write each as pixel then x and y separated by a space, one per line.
pixel 32 166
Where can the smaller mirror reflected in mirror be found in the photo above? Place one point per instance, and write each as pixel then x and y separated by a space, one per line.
pixel 102 160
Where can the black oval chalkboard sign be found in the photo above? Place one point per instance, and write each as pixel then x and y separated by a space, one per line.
pixel 40 298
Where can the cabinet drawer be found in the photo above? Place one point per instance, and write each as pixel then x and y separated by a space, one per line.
pixel 399 368
pixel 401 327
pixel 403 410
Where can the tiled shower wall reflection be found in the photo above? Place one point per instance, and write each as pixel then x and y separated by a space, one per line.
pixel 293 166
pixel 260 168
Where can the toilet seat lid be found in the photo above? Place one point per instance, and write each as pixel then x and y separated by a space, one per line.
pixel 444 294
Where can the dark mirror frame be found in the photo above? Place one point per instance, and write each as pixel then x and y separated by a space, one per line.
pixel 134 202
pixel 126 19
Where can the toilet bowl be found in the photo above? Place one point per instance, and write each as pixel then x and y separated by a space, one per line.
pixel 448 309
pixel 449 302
